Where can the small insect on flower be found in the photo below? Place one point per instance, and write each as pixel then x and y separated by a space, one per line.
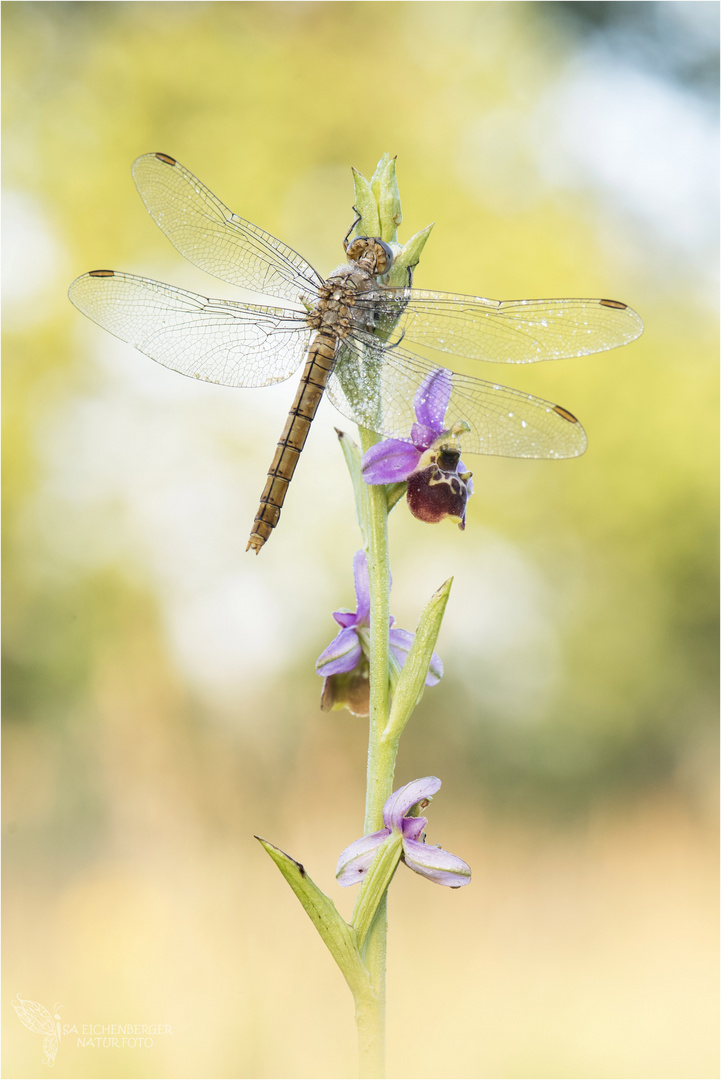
pixel 344 663
pixel 400 815
pixel 439 485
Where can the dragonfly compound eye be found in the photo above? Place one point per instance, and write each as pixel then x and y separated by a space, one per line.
pixel 383 265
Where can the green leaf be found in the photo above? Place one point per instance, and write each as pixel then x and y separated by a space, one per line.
pixel 353 459
pixel 338 936
pixel 367 206
pixel 377 177
pixel 389 203
pixel 408 257
pixel 413 676
pixel 375 885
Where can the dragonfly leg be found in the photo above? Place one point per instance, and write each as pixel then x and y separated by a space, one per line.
pixel 395 344
pixel 347 235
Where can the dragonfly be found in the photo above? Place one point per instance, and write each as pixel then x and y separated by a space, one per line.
pixel 347 327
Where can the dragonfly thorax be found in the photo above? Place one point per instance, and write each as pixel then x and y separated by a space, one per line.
pixel 337 297
pixel 368 258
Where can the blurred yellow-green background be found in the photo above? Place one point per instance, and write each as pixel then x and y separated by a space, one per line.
pixel 161 704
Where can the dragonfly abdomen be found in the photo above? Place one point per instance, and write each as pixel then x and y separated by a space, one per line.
pixel 318 367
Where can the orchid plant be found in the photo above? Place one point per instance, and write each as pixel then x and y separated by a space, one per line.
pixel 375 669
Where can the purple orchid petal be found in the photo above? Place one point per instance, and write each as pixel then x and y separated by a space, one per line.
pixel 422 436
pixel 389 462
pixel 353 863
pixel 402 800
pixel 432 397
pixel 362 589
pixel 435 671
pixel 346 618
pixel 341 655
pixel 412 827
pixel 400 642
pixel 436 864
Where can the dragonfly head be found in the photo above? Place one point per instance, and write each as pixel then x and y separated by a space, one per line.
pixel 372 253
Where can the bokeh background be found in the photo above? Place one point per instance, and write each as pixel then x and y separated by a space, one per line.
pixel 161 704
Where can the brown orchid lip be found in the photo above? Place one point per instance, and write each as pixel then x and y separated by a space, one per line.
pixel 435 493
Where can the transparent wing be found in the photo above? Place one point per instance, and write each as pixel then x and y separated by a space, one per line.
pixel 505 332
pixel 375 387
pixel 212 237
pixel 219 341
pixel 34 1016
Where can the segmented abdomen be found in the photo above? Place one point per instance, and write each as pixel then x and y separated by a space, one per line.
pixel 319 365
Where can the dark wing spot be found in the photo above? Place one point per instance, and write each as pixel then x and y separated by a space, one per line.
pixel 101 273
pixel 167 159
pixel 613 303
pixel 565 414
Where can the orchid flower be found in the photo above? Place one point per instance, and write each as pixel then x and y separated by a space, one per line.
pixel 438 483
pixel 344 663
pixel 431 862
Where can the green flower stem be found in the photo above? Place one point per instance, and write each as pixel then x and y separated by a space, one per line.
pixel 370 1016
pixel 370 1012
pixel 379 207
pixel 380 766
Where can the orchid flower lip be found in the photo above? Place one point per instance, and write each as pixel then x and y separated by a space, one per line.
pixel 434 863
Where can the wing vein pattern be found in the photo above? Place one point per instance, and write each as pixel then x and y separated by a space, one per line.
pixel 375 388
pixel 218 341
pixel 212 237
pixel 501 331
